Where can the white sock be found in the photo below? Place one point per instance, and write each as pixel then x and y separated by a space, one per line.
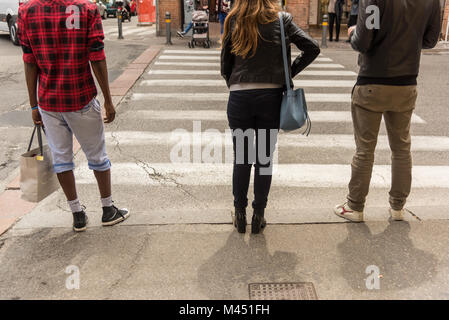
pixel 106 202
pixel 75 205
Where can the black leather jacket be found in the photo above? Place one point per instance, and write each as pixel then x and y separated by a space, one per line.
pixel 266 66
pixel 394 49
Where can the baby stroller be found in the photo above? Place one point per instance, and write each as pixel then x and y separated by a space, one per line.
pixel 200 29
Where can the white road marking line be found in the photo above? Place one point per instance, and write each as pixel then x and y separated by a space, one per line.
pixel 310 97
pixel 211 51
pixel 285 175
pixel 111 30
pixel 198 52
pixel 186 57
pixel 133 32
pixel 218 115
pixel 222 83
pixel 167 57
pixel 321 60
pixel 182 72
pixel 327 73
pixel 322 141
pixel 217 65
pixel 188 64
pixel 326 66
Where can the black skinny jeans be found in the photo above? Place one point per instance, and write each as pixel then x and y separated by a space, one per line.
pixel 334 18
pixel 253 113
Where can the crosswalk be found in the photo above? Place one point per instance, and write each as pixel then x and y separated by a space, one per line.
pixel 165 143
pixel 128 31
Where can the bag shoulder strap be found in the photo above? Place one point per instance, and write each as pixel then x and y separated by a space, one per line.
pixel 284 53
pixel 37 128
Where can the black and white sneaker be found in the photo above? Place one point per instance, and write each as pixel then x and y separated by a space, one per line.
pixel 180 34
pixel 80 220
pixel 112 215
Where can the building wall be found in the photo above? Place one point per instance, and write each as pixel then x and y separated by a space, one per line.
pixel 300 12
pixel 174 7
pixel 445 19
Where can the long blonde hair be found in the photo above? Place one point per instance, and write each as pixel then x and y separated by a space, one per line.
pixel 248 15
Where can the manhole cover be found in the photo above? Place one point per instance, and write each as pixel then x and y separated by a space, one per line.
pixel 282 291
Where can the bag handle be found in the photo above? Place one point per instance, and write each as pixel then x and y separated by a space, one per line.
pixel 37 128
pixel 284 53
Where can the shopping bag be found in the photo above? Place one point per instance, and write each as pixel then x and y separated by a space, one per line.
pixel 37 179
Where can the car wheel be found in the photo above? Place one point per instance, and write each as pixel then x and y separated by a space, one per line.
pixel 13 33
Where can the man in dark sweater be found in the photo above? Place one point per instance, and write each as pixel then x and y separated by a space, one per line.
pixel 389 36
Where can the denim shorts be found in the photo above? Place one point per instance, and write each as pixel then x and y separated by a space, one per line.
pixel 87 126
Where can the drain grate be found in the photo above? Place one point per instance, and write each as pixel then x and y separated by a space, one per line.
pixel 282 291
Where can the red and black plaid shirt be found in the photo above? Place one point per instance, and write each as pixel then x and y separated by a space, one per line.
pixel 61 37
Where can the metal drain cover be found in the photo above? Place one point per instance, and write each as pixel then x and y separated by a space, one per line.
pixel 282 291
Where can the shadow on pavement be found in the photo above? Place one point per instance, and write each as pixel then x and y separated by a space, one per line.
pixel 401 265
pixel 228 272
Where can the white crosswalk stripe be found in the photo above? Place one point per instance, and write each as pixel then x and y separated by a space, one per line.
pixel 111 32
pixel 285 175
pixel 213 58
pixel 311 97
pixel 328 73
pixel 217 115
pixel 222 83
pixel 214 65
pixel 340 141
pixel 165 107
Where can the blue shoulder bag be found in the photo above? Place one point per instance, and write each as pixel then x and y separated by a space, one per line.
pixel 294 107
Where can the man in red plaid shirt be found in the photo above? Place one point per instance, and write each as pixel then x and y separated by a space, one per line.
pixel 61 40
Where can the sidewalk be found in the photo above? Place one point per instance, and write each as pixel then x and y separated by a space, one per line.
pixel 215 262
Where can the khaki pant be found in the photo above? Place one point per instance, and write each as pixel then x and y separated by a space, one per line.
pixel 396 104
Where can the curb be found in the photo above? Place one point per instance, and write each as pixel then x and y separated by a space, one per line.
pixel 11 203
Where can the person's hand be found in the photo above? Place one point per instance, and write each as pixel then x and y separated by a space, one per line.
pixel 351 29
pixel 110 112
pixel 37 119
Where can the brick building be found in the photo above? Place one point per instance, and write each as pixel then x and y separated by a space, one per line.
pixel 307 13
pixel 445 21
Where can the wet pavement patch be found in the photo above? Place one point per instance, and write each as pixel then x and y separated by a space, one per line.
pixel 282 291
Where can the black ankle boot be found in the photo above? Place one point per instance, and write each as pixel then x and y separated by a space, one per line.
pixel 258 221
pixel 240 219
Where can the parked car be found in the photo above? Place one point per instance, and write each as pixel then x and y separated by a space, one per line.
pixel 101 8
pixel 9 10
pixel 111 8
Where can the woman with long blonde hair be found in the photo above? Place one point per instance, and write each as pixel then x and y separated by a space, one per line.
pixel 252 65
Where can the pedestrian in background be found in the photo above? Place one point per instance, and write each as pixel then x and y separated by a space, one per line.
pixel 223 8
pixel 353 15
pixel 252 38
pixel 335 10
pixel 390 53
pixel 57 56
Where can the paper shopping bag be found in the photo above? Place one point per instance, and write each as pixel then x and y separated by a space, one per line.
pixel 37 179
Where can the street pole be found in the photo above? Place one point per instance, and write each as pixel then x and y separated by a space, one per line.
pixel 119 21
pixel 324 37
pixel 168 28
pixel 447 29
